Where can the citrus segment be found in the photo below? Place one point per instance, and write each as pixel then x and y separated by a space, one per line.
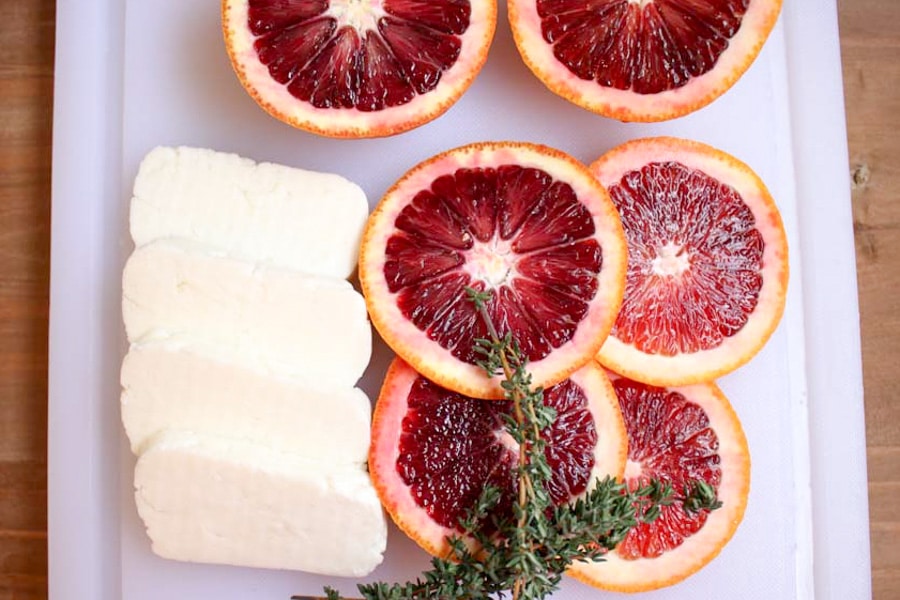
pixel 434 450
pixel 708 261
pixel 525 224
pixel 641 60
pixel 675 435
pixel 357 68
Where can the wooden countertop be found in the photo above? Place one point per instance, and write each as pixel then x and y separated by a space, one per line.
pixel 870 38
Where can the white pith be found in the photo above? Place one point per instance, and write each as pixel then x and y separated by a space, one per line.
pixel 361 15
pixel 507 440
pixel 492 262
pixel 671 260
pixel 633 470
pixel 641 3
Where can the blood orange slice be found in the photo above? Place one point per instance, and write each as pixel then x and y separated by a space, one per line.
pixel 434 450
pixel 525 223
pixel 707 261
pixel 641 60
pixel 357 68
pixel 677 435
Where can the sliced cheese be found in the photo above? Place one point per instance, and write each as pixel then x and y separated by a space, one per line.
pixel 312 328
pixel 264 212
pixel 186 385
pixel 212 500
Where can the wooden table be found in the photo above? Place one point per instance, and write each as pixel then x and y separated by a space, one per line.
pixel 871 45
pixel 870 40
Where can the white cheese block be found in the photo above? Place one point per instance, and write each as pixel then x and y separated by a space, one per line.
pixel 212 500
pixel 313 328
pixel 299 219
pixel 182 385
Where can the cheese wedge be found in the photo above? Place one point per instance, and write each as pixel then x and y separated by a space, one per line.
pixel 186 385
pixel 212 500
pixel 308 221
pixel 312 328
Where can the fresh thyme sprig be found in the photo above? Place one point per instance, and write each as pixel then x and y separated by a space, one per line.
pixel 525 556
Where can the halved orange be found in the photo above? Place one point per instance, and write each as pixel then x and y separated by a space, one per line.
pixel 676 435
pixel 357 68
pixel 434 450
pixel 641 60
pixel 707 261
pixel 524 223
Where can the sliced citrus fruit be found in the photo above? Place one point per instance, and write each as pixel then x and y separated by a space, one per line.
pixel 641 60
pixel 434 450
pixel 526 224
pixel 676 435
pixel 357 68
pixel 707 261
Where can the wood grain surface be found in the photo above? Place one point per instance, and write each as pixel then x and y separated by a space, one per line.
pixel 870 41
pixel 870 38
pixel 26 99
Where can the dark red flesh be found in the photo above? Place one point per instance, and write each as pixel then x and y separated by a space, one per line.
pixel 332 67
pixel 712 300
pixel 549 233
pixel 450 449
pixel 670 437
pixel 649 50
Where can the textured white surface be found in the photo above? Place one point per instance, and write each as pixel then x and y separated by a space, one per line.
pixel 185 385
pixel 211 499
pixel 784 118
pixel 312 328
pixel 269 213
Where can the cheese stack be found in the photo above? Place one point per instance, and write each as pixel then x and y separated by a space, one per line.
pixel 246 344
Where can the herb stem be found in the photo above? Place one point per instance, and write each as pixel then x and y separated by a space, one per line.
pixel 524 481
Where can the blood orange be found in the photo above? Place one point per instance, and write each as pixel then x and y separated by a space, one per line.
pixel 523 222
pixel 434 450
pixel 707 261
pixel 641 60
pixel 357 68
pixel 676 435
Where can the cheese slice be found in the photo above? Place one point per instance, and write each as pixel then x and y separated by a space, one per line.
pixel 298 219
pixel 312 328
pixel 213 500
pixel 186 385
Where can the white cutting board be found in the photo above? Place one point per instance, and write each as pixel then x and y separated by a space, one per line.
pixel 142 73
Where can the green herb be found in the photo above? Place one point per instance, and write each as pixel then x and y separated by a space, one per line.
pixel 525 556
